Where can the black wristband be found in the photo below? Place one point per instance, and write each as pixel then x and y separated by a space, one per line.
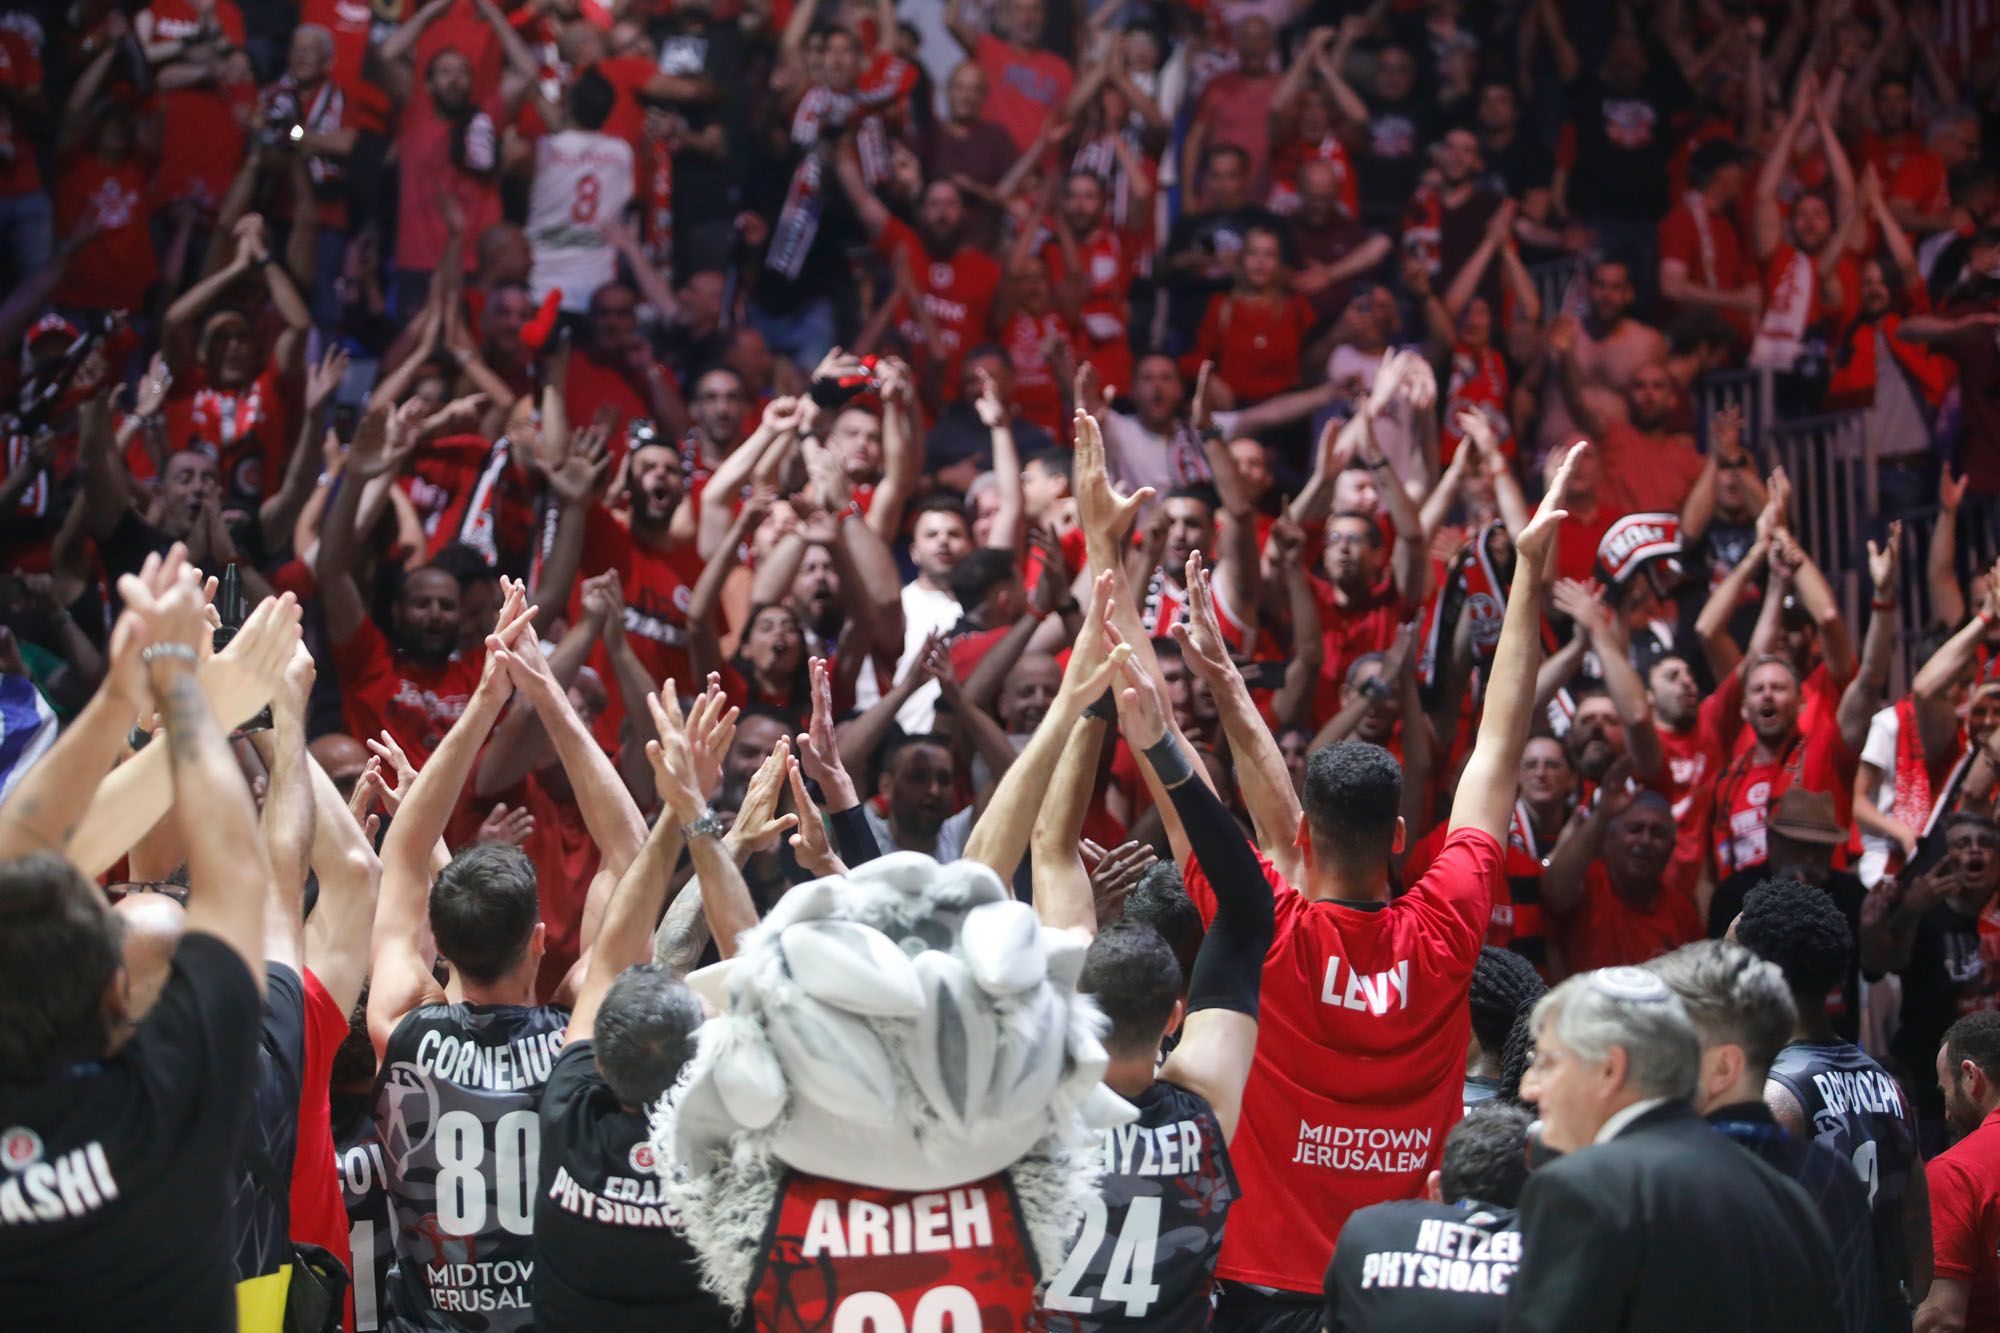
pixel 1169 761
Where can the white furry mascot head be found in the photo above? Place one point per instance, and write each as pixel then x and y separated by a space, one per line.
pixel 908 1026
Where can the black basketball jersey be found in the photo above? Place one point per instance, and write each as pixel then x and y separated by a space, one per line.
pixel 1858 1111
pixel 1414 1264
pixel 364 1189
pixel 455 1105
pixel 1145 1257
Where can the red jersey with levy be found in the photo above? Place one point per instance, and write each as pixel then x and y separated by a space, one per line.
pixel 852 1257
pixel 384 690
pixel 1360 1057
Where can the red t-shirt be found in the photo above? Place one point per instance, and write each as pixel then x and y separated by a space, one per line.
pixel 593 384
pixel 249 428
pixel 383 690
pixel 1576 543
pixel 1108 258
pixel 1817 759
pixel 957 1256
pixel 565 861
pixel 1964 1184
pixel 1367 625
pixel 658 587
pixel 1644 474
pixel 465 490
pixel 1603 930
pixel 201 135
pixel 115 267
pixel 1692 759
pixel 352 23
pixel 1255 343
pixel 423 148
pixel 1360 1057
pixel 319 1214
pixel 957 292
pixel 1034 348
pixel 1024 87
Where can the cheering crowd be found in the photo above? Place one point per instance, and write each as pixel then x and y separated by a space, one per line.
pixel 496 495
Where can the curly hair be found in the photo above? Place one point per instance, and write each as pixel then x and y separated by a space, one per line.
pixel 1503 984
pixel 1798 927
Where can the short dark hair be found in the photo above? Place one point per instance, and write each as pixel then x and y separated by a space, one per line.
pixel 1216 151
pixel 1160 900
pixel 1485 1156
pixel 1975 1037
pixel 645 1032
pixel 1056 462
pixel 464 562
pixel 1354 792
pixel 895 747
pixel 484 909
pixel 1366 659
pixel 1799 927
pixel 939 500
pixel 591 100
pixel 995 350
pixel 60 949
pixel 1135 979
pixel 975 576
pixel 1503 984
pixel 1709 158
pixel 1197 491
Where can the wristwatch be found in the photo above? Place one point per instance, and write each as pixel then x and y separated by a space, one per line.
pixel 705 824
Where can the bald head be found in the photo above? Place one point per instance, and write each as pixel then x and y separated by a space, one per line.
pixel 153 923
pixel 342 757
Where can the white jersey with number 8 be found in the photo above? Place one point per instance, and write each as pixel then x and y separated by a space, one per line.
pixel 582 178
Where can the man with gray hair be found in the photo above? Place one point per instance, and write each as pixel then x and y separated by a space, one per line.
pixel 1743 1014
pixel 1651 1220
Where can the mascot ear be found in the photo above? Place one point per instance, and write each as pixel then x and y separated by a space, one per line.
pixel 747 1076
pixel 833 1061
pixel 854 968
pixel 1002 943
pixel 956 1041
pixel 1066 949
pixel 711 983
pixel 1105 1109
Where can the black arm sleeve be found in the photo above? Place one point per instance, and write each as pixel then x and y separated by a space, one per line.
pixel 852 837
pixel 1229 968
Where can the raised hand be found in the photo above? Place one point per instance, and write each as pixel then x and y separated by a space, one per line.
pixel 1101 509
pixel 1142 713
pixel 1725 432
pixel 1579 601
pixel 324 378
pixel 758 824
pixel 810 843
pixel 389 758
pixel 241 679
pixel 512 827
pixel 153 386
pixel 819 748
pixel 1951 490
pixel 1535 541
pixel 1200 635
pixel 1114 874
pixel 991 408
pixel 673 765
pixel 1882 561
pixel 710 729
pixel 1201 413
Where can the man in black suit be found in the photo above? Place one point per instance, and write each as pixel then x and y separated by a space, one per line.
pixel 1651 1220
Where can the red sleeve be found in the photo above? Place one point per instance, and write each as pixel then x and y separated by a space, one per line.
pixel 1454 900
pixel 1203 893
pixel 1721 713
pixel 1961 1233
pixel 896 235
pixel 363 660
pixel 1678 239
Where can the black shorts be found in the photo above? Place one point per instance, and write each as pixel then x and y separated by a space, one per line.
pixel 1244 1309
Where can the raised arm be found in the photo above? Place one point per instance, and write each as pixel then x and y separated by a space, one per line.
pixel 228 869
pixel 1236 554
pixel 1001 833
pixel 902 451
pixel 1010 521
pixel 289 813
pixel 1940 571
pixel 626 938
pixel 1220 1036
pixel 400 976
pixel 1864 694
pixel 1485 796
pixel 1768 221
pixel 1612 643
pixel 1062 895
pixel 350 876
pixel 725 898
pixel 1582 841
pixel 384 440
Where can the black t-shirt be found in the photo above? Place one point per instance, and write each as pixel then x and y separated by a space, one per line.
pixel 705 187
pixel 1393 156
pixel 115 1207
pixel 1414 1264
pixel 960 435
pixel 1946 978
pixel 1622 146
pixel 261 1220
pixel 126 549
pixel 609 1253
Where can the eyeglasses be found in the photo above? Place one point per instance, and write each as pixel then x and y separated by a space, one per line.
pixel 118 890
